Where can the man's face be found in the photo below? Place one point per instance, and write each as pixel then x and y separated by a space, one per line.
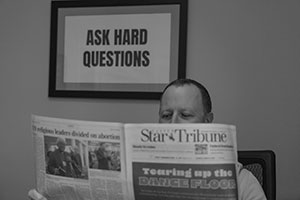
pixel 182 104
pixel 61 146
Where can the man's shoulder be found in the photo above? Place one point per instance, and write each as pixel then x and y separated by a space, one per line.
pixel 55 153
pixel 249 187
pixel 244 175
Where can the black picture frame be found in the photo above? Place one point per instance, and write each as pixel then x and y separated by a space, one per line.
pixel 72 72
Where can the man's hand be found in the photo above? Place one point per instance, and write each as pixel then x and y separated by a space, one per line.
pixel 34 195
pixel 56 171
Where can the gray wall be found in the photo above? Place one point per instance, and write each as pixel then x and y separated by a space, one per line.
pixel 246 52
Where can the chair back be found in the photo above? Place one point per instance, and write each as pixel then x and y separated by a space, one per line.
pixel 262 164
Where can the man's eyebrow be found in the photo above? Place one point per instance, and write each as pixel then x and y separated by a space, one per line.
pixel 165 110
pixel 189 110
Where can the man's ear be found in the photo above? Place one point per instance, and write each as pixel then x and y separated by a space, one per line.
pixel 209 117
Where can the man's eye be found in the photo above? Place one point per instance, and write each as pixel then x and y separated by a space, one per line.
pixel 166 116
pixel 186 115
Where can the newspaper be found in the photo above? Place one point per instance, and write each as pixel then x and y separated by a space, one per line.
pixel 163 161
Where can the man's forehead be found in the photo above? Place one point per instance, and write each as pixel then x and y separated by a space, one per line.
pixel 187 91
pixel 187 96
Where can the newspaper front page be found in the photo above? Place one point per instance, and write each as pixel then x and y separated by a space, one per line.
pixel 79 160
pixel 84 160
pixel 181 161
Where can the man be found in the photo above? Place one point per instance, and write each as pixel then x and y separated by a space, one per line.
pixel 57 164
pixel 76 161
pixel 187 101
pixel 102 156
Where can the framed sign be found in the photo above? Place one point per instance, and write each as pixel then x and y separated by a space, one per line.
pixel 116 49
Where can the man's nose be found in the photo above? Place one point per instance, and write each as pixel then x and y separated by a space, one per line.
pixel 174 119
